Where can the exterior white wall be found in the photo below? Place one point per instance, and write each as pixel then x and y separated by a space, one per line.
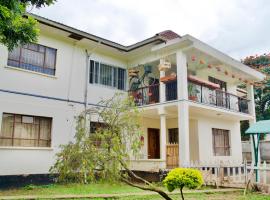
pixel 205 126
pixel 69 85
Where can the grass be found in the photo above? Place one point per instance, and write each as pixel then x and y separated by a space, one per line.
pixel 106 188
pixel 98 188
pixel 211 196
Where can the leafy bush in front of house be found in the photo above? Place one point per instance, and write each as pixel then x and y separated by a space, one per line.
pixel 183 177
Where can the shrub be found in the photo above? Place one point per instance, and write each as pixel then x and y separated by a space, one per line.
pixel 183 177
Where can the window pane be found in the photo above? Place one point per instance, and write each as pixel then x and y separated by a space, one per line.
pixel 121 79
pixel 32 58
pixel 96 72
pixel 50 58
pixel 173 136
pixel 7 126
pixel 15 54
pixel 115 77
pixel 105 75
pixel 45 128
pixel 91 72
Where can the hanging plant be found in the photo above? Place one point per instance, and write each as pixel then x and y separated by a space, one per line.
pixel 193 58
pixel 202 62
pixel 240 79
pixel 226 72
pixel 218 69
pixel 209 66
pixel 233 76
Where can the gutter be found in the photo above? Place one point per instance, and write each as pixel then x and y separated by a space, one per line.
pixel 95 38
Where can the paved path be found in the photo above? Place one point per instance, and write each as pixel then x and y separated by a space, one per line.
pixel 93 196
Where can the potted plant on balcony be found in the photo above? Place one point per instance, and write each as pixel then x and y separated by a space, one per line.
pixel 192 92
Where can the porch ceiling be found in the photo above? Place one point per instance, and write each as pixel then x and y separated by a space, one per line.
pixel 198 61
pixel 195 111
pixel 218 113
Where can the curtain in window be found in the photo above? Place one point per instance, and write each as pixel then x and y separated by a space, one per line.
pixel 25 131
pixel 221 143
pixel 6 130
pixel 33 57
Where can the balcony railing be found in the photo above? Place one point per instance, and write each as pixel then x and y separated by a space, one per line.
pixel 145 95
pixel 219 98
pixel 197 92
pixel 171 90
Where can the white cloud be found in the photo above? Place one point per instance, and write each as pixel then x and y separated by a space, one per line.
pixel 237 27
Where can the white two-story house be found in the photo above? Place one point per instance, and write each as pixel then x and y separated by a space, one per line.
pixel 187 91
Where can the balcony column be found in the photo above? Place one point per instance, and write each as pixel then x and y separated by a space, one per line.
pixel 163 135
pixel 162 87
pixel 251 108
pixel 183 109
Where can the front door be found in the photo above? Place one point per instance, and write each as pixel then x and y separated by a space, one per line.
pixel 153 144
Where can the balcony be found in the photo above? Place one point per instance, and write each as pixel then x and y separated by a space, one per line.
pixel 206 95
pixel 197 92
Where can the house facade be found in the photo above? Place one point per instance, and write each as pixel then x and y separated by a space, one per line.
pixel 187 90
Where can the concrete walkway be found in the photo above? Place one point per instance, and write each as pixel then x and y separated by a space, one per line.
pixel 105 196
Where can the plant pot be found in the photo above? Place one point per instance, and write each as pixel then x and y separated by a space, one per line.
pixel 193 98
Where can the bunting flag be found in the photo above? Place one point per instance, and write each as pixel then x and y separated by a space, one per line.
pixel 218 68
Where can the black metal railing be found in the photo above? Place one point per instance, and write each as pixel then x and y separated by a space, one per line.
pixel 219 98
pixel 171 90
pixel 145 95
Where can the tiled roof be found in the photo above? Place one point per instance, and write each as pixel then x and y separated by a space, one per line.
pixel 168 35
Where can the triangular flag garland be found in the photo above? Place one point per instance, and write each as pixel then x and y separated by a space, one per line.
pixel 217 68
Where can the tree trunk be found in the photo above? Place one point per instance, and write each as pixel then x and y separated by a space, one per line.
pixel 182 195
pixel 149 187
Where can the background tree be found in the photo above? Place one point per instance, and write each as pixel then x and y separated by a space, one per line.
pixel 261 89
pixel 16 27
pixel 104 155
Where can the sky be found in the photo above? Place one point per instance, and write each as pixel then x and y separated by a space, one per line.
pixel 237 27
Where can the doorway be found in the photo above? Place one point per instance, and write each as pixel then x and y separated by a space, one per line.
pixel 153 143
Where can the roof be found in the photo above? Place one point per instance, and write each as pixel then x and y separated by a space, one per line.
pixel 259 127
pixel 163 36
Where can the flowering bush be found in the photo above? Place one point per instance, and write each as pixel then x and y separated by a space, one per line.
pixel 183 177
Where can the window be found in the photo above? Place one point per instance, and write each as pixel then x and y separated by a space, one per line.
pixel 173 136
pixel 94 126
pixel 25 131
pixel 33 57
pixel 107 75
pixel 221 142
pixel 222 84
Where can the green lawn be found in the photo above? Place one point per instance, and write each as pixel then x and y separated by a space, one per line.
pixel 212 196
pixel 101 188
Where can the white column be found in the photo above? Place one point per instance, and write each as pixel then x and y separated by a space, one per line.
pixel 162 88
pixel 250 96
pixel 182 83
pixel 183 108
pixel 163 133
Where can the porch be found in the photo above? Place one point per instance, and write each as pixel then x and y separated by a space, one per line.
pixel 166 146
